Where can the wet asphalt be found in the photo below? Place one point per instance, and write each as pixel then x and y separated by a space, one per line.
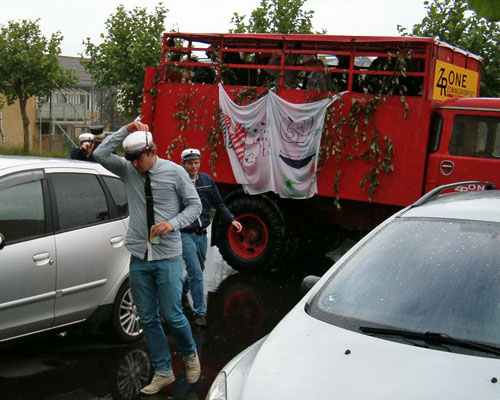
pixel 83 365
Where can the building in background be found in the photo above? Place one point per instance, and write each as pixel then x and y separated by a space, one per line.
pixel 71 110
pixel 57 121
pixel 11 123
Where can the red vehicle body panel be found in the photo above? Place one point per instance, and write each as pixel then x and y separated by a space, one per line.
pixel 181 114
pixel 463 167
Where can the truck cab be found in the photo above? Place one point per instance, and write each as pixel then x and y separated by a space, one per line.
pixel 465 142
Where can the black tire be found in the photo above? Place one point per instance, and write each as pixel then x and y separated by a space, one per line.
pixel 261 245
pixel 124 319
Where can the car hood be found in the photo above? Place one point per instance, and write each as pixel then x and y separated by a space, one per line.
pixel 304 358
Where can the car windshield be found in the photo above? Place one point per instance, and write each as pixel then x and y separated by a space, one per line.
pixel 423 275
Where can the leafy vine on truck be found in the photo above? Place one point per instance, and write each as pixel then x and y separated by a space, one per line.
pixel 314 138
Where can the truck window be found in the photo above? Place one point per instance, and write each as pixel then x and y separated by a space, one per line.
pixel 435 133
pixel 496 147
pixel 475 136
pixel 304 62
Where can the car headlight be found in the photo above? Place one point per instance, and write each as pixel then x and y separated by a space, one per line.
pixel 218 389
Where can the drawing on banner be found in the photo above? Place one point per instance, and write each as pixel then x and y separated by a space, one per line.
pixel 272 144
pixel 234 138
pixel 295 132
pixel 256 142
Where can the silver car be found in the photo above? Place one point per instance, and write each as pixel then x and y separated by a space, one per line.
pixel 62 256
pixel 412 311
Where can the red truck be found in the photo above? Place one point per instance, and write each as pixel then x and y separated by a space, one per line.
pixel 407 120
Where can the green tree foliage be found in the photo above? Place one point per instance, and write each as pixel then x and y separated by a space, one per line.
pixel 133 42
pixel 453 22
pixel 29 66
pixel 489 9
pixel 275 16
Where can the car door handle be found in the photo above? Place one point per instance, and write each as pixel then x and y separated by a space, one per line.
pixel 116 241
pixel 446 167
pixel 42 259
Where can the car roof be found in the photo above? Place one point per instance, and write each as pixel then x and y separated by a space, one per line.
pixel 477 206
pixel 16 163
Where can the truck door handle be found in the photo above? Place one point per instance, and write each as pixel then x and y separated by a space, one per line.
pixel 116 241
pixel 42 259
pixel 446 167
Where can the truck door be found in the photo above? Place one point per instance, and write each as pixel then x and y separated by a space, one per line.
pixel 469 149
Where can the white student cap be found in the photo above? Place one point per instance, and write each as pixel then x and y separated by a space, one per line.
pixel 137 143
pixel 86 137
pixel 190 154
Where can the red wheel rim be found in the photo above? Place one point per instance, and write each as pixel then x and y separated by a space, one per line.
pixel 253 239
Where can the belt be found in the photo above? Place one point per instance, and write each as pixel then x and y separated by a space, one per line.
pixel 197 231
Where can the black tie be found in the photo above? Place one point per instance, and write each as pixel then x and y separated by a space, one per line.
pixel 149 203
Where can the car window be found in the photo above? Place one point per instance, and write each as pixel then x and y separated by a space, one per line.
pixel 422 275
pixel 80 200
pixel 118 193
pixel 22 214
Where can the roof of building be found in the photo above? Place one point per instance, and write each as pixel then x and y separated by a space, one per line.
pixel 84 78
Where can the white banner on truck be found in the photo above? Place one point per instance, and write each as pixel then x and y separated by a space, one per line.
pixel 273 144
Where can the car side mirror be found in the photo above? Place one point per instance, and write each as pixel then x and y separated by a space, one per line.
pixel 2 241
pixel 308 282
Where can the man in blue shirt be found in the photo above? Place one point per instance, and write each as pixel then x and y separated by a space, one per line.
pixel 155 189
pixel 194 238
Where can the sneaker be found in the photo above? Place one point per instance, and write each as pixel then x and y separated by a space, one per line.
pixel 193 369
pixel 157 384
pixel 200 321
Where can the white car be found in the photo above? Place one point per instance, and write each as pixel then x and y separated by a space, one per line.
pixel 412 311
pixel 62 256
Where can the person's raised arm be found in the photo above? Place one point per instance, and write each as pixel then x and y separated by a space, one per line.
pixel 105 155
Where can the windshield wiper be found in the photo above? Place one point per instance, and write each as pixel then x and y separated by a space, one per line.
pixel 431 338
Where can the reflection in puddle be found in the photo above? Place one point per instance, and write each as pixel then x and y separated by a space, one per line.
pixel 241 309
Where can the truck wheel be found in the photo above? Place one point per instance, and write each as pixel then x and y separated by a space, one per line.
pixel 125 320
pixel 261 245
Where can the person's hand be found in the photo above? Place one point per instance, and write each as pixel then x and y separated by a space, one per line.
pixel 237 225
pixel 137 126
pixel 87 148
pixel 161 228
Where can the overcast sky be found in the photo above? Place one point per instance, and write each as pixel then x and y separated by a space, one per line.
pixel 77 20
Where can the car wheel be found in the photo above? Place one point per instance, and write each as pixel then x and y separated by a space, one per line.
pixel 133 372
pixel 125 319
pixel 261 245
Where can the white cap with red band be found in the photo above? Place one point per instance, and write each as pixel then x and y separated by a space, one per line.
pixel 137 142
pixel 190 154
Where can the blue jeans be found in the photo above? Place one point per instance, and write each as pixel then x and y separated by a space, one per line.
pixel 194 253
pixel 156 288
